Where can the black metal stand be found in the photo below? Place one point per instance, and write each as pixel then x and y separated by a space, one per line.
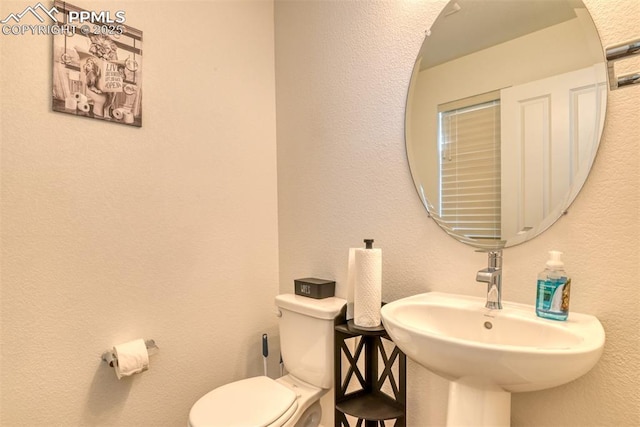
pixel 366 389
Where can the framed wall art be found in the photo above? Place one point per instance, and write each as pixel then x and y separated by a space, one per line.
pixel 97 65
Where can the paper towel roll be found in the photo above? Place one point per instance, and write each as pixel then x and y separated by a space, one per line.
pixel 128 117
pixel 80 97
pixel 118 113
pixel 133 358
pixel 70 103
pixel 84 107
pixel 367 287
pixel 351 282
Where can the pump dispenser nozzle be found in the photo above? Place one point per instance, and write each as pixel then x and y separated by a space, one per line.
pixel 555 260
pixel 368 243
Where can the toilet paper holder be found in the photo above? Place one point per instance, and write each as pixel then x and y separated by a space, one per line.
pixel 110 358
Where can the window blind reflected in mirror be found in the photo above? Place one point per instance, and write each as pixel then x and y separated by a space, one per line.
pixel 469 141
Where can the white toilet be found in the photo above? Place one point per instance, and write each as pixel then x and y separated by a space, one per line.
pixel 306 341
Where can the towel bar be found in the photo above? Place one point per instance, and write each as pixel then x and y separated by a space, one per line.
pixel 617 52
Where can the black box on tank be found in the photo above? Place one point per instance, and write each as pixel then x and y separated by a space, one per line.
pixel 315 288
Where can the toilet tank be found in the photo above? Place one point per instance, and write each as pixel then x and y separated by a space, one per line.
pixel 306 336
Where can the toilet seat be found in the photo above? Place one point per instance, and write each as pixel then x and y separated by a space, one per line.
pixel 258 401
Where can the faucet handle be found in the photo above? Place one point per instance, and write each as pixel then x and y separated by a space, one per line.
pixel 489 250
pixel 495 257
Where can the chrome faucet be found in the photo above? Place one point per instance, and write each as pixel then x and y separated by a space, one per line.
pixel 492 276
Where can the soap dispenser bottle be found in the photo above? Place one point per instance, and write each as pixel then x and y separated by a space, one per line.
pixel 554 286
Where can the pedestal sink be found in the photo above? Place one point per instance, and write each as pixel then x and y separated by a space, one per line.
pixel 488 354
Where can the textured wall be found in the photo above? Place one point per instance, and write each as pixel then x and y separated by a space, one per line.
pixel 110 232
pixel 342 71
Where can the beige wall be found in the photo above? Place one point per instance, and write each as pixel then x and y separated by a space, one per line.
pixel 111 233
pixel 342 71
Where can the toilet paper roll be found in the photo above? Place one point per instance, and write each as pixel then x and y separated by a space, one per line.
pixel 133 358
pixel 351 280
pixel 84 107
pixel 118 113
pixel 368 287
pixel 128 117
pixel 70 103
pixel 80 97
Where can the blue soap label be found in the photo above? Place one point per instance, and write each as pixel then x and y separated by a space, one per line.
pixel 552 300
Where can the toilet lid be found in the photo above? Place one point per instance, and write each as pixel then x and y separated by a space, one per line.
pixel 257 401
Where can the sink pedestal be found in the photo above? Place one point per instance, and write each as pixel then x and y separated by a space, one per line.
pixel 474 403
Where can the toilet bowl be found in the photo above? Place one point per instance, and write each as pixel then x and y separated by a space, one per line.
pixel 306 341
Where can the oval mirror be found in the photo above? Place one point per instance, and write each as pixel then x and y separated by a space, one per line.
pixel 504 114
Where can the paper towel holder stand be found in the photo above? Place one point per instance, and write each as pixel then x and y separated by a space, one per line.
pixel 110 358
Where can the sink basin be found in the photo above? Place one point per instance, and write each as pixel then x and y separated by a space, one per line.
pixel 491 352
